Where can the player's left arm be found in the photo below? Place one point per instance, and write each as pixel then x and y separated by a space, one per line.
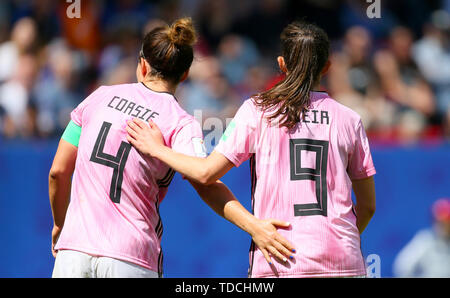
pixel 364 190
pixel 263 231
pixel 60 177
pixel 361 170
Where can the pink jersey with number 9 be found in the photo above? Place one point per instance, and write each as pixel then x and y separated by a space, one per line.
pixel 303 176
pixel 116 192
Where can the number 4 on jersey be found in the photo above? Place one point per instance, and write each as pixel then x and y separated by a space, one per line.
pixel 116 162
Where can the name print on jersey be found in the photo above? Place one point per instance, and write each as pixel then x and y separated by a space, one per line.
pixel 214 126
pixel 132 109
pixel 315 117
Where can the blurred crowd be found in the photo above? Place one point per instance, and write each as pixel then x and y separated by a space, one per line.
pixel 394 71
pixel 427 254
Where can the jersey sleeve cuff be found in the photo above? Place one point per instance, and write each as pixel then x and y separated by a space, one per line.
pixel 229 156
pixel 366 174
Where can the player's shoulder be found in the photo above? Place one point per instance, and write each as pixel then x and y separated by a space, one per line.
pixel 251 102
pixel 115 87
pixel 250 106
pixel 105 89
pixel 345 113
pixel 179 116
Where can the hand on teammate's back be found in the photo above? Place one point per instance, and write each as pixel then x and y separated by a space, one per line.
pixel 270 242
pixel 145 138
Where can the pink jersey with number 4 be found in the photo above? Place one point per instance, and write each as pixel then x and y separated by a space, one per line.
pixel 304 176
pixel 116 192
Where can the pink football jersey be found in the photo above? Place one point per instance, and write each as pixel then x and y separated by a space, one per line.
pixel 304 176
pixel 116 192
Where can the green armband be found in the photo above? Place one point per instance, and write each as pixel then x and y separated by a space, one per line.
pixel 72 133
pixel 228 131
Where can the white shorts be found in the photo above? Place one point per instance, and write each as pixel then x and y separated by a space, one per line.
pixel 75 264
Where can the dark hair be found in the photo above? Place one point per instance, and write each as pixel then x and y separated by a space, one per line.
pixel 168 49
pixel 305 49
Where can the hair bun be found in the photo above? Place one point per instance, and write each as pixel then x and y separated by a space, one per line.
pixel 182 32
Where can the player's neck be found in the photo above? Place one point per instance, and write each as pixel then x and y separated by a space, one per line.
pixel 160 85
pixel 317 87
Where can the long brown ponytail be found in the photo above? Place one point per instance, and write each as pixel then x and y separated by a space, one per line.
pixel 305 49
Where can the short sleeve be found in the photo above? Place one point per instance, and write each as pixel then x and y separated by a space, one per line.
pixel 77 114
pixel 238 141
pixel 360 164
pixel 189 140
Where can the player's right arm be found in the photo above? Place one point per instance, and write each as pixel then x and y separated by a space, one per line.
pixel 59 184
pixel 60 177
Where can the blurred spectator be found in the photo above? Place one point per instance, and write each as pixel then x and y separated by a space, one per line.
pixel 55 95
pixel 432 55
pixel 122 73
pixel 264 24
pixel 15 97
pixel 256 80
pixel 400 76
pixel 207 90
pixel 215 19
pixel 351 73
pixel 428 253
pixel 410 13
pixel 48 26
pixel 401 82
pixel 23 38
pixel 130 14
pixel 236 55
pixel 124 45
